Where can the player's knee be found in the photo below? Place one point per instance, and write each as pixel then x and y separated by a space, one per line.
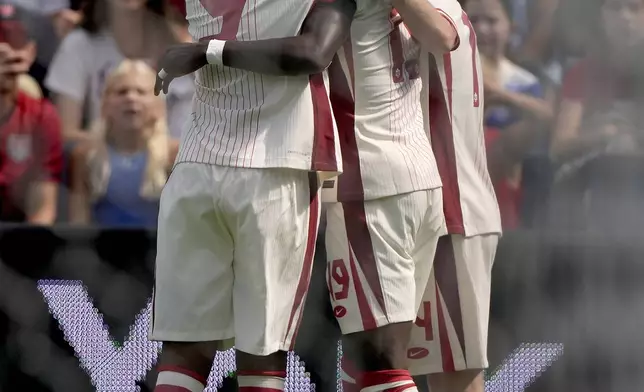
pixel 382 348
pixel 197 356
pixel 271 362
pixel 470 380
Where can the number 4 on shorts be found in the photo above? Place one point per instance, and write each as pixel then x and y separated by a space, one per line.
pixel 426 320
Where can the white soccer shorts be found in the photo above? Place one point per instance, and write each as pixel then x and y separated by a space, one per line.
pixel 450 332
pixel 234 255
pixel 379 255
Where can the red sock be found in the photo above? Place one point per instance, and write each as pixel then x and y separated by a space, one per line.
pixel 387 380
pixel 260 381
pixel 177 379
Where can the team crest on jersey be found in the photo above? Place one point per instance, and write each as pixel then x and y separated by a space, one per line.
pixel 19 147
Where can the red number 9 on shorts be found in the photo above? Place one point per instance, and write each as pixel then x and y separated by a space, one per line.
pixel 425 321
pixel 338 280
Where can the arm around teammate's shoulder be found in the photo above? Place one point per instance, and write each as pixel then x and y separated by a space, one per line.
pixel 428 26
pixel 323 32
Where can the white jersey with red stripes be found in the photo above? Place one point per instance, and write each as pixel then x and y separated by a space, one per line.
pixel 453 87
pixel 245 119
pixel 375 92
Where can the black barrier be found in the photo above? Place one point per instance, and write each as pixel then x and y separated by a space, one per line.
pixel 115 268
pixel 73 314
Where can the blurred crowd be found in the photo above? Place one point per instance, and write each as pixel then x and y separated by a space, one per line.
pixel 83 139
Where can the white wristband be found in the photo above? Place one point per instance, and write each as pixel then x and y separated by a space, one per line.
pixel 215 52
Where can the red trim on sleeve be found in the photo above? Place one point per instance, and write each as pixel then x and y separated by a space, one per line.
pixel 451 22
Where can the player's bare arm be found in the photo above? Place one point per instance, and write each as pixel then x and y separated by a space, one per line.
pixel 433 30
pixel 323 32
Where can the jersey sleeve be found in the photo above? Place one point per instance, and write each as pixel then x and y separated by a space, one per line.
pixel 452 11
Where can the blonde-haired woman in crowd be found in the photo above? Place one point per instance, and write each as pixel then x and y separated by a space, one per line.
pixel 111 31
pixel 117 176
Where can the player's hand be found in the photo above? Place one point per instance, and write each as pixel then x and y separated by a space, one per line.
pixel 180 60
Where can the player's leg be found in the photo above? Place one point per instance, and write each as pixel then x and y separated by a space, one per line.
pixel 453 319
pixel 192 308
pixel 373 280
pixel 275 236
pixel 317 341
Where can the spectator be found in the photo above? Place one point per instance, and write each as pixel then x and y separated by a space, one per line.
pixel 598 142
pixel 518 107
pixel 111 31
pixel 117 176
pixel 548 35
pixel 61 16
pixel 31 152
pixel 39 24
pixel 599 97
pixel 534 25
pixel 512 94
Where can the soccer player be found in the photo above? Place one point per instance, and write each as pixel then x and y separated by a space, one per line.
pixel 449 340
pixel 382 231
pixel 239 214
pixel 389 210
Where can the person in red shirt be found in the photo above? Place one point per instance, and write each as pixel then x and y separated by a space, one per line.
pixel 600 101
pixel 31 152
pixel 598 140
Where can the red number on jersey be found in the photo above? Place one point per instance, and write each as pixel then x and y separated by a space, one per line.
pixel 340 276
pixel 475 71
pixel 230 12
pixel 426 322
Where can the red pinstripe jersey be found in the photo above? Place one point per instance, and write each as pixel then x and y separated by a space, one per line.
pixel 375 91
pixel 453 111
pixel 245 119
